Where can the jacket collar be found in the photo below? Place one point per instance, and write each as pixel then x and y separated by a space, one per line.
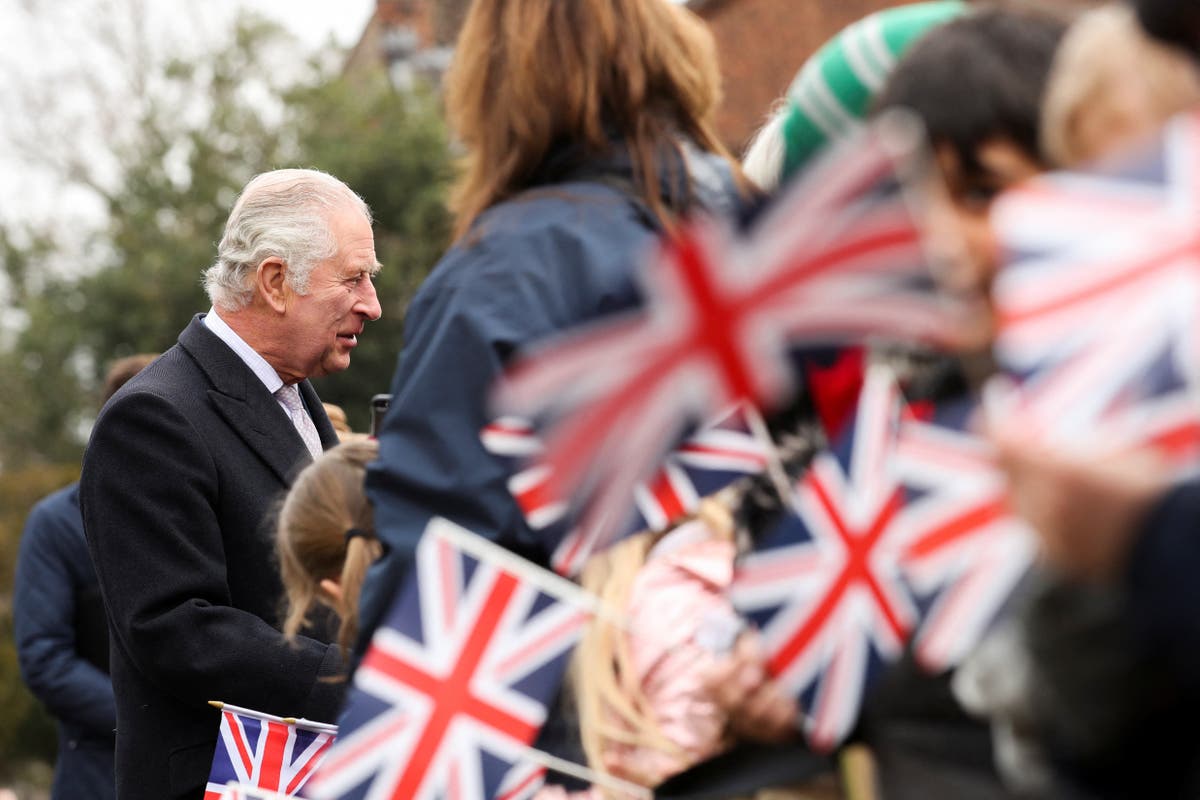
pixel 246 405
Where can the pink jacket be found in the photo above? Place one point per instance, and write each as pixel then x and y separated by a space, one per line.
pixel 679 591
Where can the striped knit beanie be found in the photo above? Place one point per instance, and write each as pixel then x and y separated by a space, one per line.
pixel 833 90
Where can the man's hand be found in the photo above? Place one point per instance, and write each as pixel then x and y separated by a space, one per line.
pixel 1086 509
pixel 758 707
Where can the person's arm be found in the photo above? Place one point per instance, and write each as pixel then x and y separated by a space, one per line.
pixel 149 494
pixel 44 595
pixel 1118 520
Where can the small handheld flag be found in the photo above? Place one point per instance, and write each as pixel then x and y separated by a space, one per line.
pixel 457 680
pixel 902 529
pixel 261 751
pixel 1099 300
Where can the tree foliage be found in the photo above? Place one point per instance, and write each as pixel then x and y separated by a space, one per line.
pixel 200 129
pixel 28 731
pixel 141 280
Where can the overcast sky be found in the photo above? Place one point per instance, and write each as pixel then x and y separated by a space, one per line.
pixel 314 20
pixel 40 40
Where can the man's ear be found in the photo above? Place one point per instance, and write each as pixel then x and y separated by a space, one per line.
pixel 271 282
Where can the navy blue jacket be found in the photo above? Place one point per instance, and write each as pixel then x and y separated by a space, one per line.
pixel 1164 592
pixel 534 265
pixel 557 255
pixel 552 257
pixel 62 648
pixel 531 266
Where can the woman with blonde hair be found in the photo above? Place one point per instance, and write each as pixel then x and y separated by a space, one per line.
pixel 325 538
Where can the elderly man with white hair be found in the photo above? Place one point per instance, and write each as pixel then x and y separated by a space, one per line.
pixel 185 463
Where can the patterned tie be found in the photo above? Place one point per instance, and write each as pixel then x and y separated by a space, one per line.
pixel 290 397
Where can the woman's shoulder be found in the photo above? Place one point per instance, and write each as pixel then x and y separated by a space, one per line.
pixel 576 245
pixel 583 213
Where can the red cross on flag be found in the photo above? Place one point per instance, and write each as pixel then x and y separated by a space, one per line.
pixel 838 257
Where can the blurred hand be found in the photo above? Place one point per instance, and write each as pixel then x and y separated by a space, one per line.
pixel 758 707
pixel 1086 509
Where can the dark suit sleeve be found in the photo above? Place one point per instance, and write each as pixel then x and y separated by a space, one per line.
pixel 1164 583
pixel 44 597
pixel 149 494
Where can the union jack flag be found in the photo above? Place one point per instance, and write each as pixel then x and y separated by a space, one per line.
pixel 1097 303
pixel 256 750
pixel 455 684
pixel 704 463
pixel 837 258
pixel 964 550
pixel 522 782
pixel 902 528
pixel 238 791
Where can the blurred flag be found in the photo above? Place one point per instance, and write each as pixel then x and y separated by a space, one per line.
pixel 964 551
pixel 1098 304
pixel 260 751
pixel 837 258
pixel 455 684
pixel 704 463
pixel 904 522
pixel 522 782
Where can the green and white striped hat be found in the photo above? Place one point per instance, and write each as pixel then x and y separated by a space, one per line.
pixel 833 90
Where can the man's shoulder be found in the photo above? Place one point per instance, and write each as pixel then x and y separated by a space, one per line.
pixel 171 375
pixel 57 509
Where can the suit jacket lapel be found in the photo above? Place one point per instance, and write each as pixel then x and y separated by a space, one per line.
pixel 246 405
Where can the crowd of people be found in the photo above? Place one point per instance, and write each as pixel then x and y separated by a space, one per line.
pixel 243 549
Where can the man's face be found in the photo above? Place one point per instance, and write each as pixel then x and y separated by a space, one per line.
pixel 324 324
pixel 960 217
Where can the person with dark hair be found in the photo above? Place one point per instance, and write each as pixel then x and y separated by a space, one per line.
pixel 1174 21
pixel 976 84
pixel 183 469
pixel 61 634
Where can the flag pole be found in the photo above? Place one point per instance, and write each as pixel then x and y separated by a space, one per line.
pixel 583 773
pixel 320 727
pixel 775 469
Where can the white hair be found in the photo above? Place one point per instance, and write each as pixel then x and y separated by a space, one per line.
pixel 285 214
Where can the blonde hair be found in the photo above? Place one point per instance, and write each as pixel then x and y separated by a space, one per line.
pixel 530 75
pixel 326 501
pixel 612 706
pixel 1103 46
pixel 337 418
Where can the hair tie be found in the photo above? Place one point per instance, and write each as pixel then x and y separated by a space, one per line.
pixel 353 532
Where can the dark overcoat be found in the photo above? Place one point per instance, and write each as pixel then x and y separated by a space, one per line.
pixel 184 467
